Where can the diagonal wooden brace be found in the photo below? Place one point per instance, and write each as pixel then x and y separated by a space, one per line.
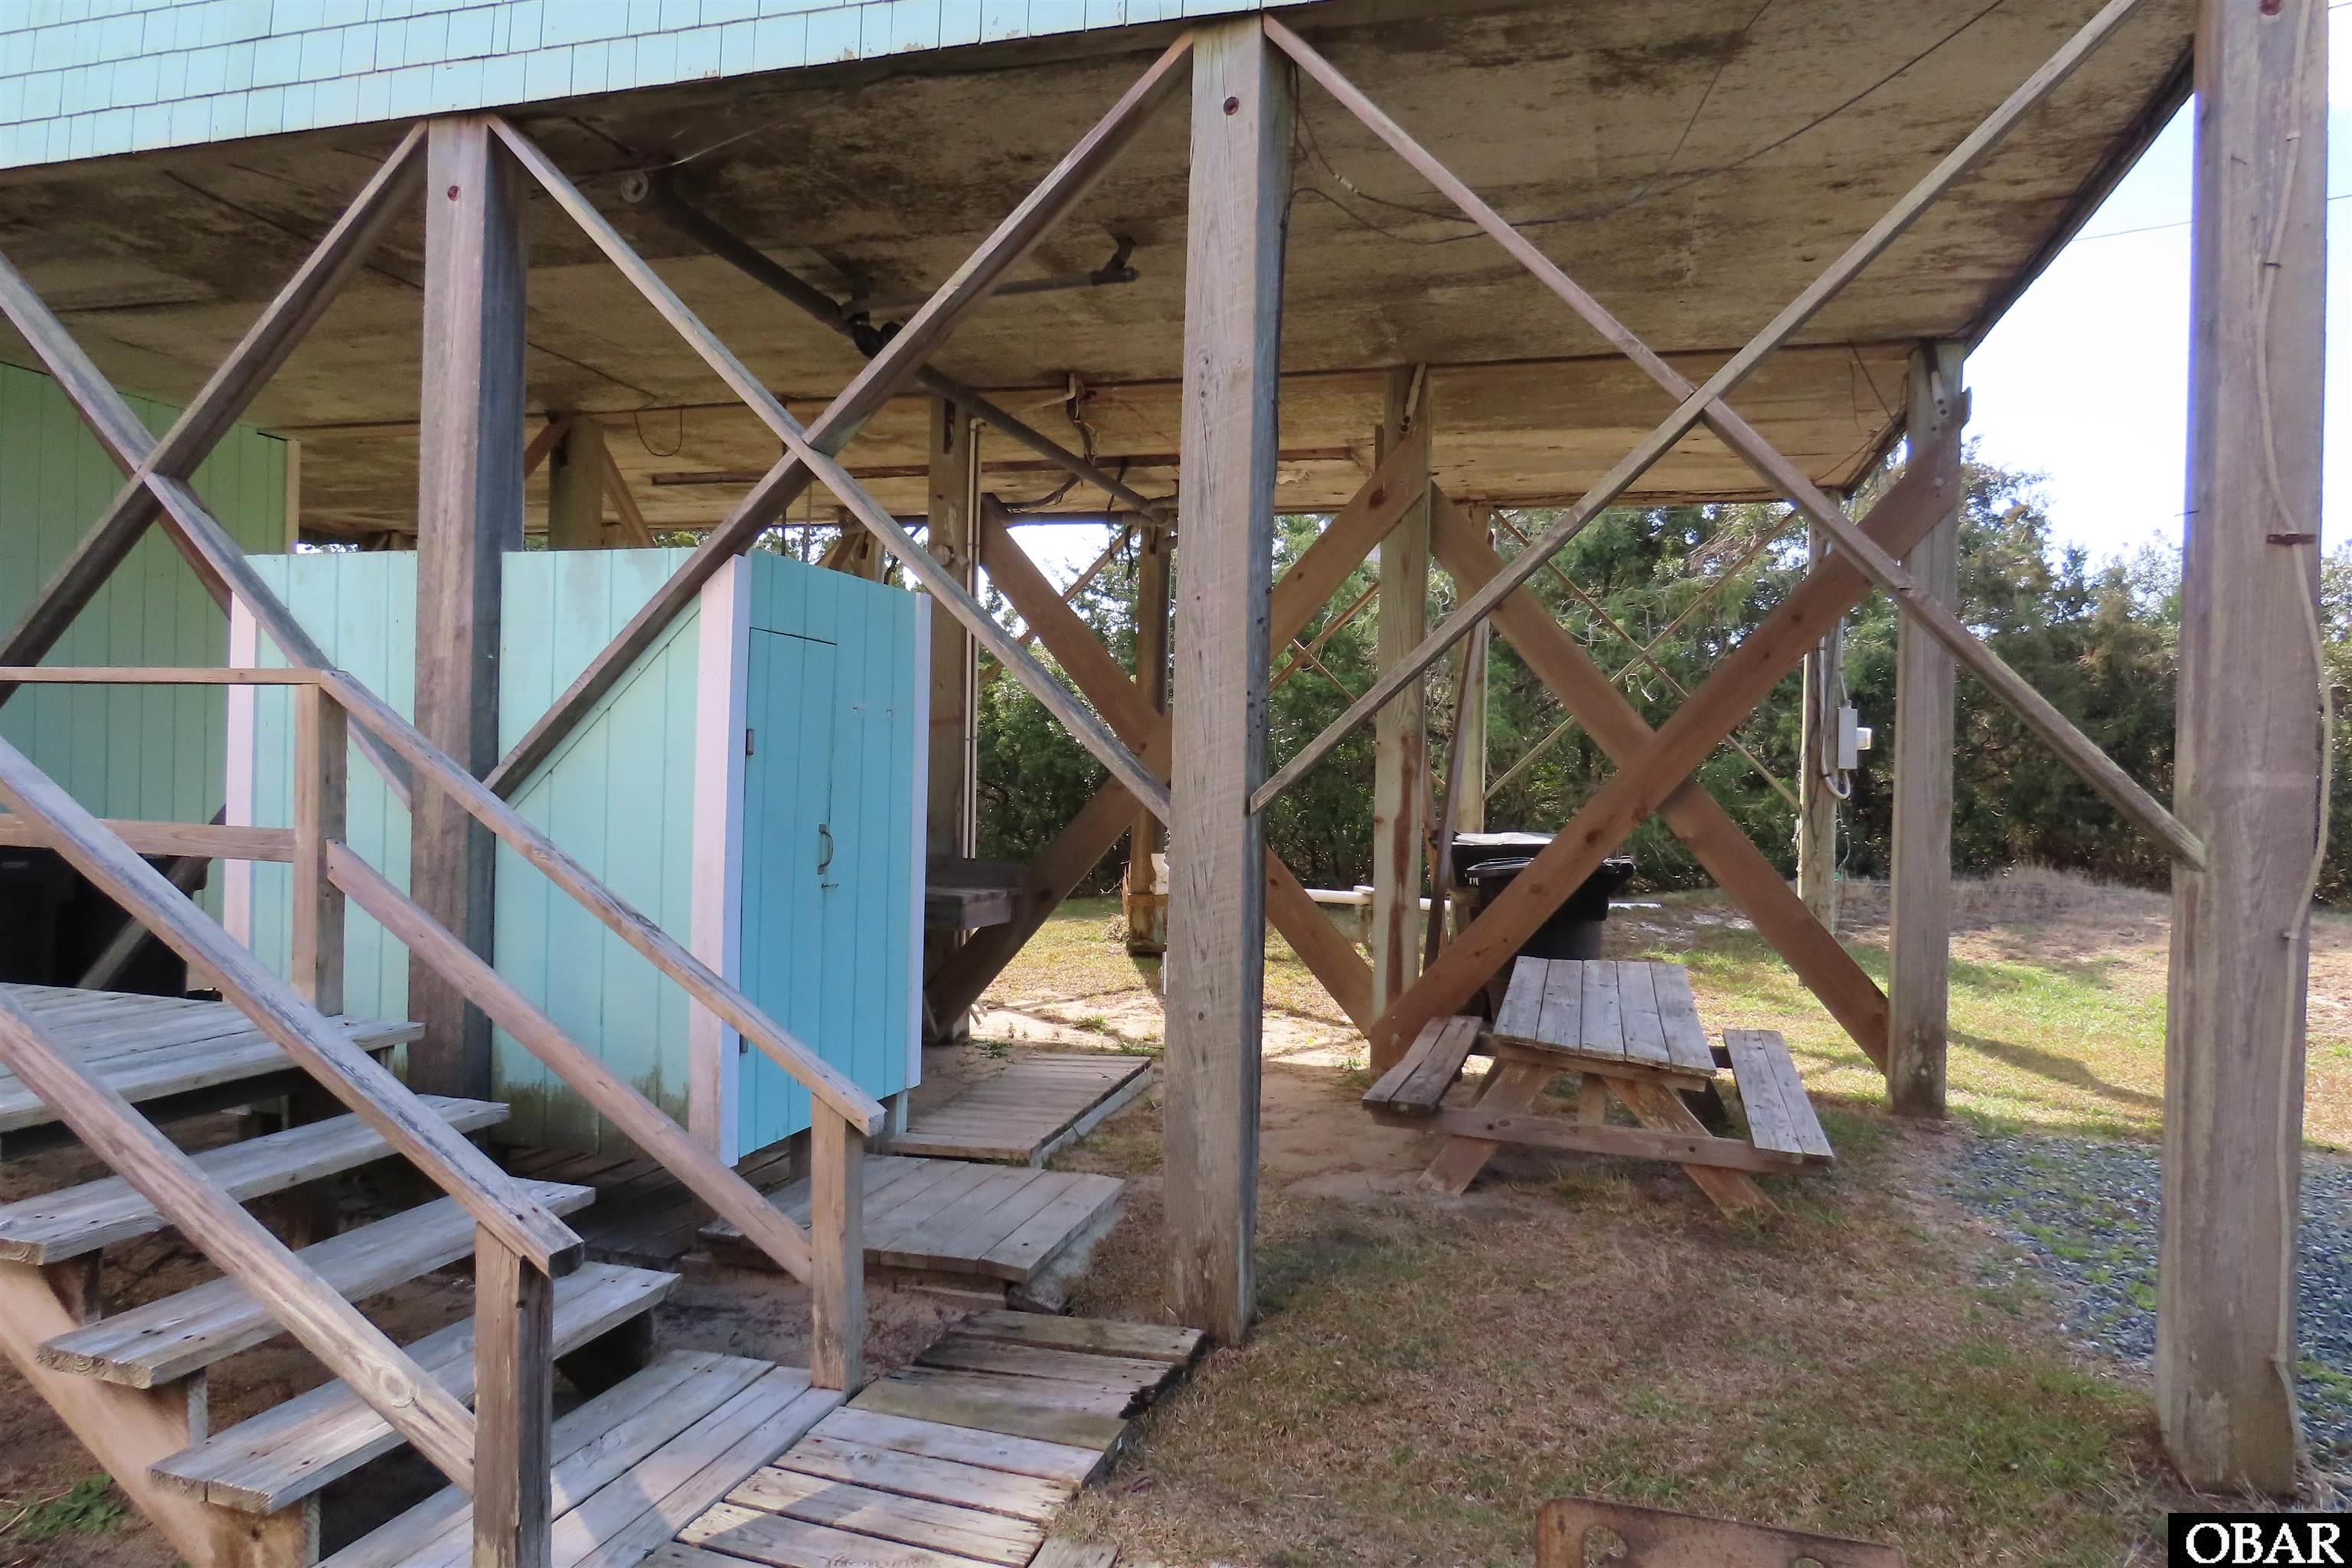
pixel 1308 585
pixel 898 361
pixel 1647 778
pixel 1705 404
pixel 1713 838
pixel 213 411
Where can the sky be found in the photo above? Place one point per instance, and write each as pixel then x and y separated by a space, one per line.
pixel 2085 380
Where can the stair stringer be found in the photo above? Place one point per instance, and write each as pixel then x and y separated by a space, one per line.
pixel 128 1429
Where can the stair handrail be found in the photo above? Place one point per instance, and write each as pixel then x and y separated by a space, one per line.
pixel 498 1453
pixel 496 1200
pixel 697 979
pixel 241 1246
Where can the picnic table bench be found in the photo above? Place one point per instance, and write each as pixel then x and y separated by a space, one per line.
pixel 1629 1032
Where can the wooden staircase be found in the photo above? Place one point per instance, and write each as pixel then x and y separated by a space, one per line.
pixel 662 1438
pixel 606 1486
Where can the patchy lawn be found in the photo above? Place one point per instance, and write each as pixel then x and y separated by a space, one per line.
pixel 1872 1361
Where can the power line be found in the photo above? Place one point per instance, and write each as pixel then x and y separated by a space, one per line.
pixel 2184 223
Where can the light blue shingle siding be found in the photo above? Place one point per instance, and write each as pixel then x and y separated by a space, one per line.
pixel 82 81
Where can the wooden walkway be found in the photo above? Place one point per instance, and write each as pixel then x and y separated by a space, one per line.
pixel 948 1221
pixel 959 1461
pixel 632 1464
pixel 172 1055
pixel 643 1217
pixel 1023 1114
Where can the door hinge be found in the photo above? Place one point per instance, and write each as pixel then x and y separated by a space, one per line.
pixel 747 748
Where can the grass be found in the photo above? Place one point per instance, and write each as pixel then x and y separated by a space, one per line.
pixel 1427 1372
pixel 87 1508
pixel 1424 1377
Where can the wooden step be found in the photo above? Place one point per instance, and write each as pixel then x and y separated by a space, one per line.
pixel 66 1223
pixel 151 1345
pixel 289 1451
pixel 631 1466
pixel 149 1049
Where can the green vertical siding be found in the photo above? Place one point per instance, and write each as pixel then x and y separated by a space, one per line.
pixel 618 796
pixel 362 611
pixel 133 751
pixel 828 955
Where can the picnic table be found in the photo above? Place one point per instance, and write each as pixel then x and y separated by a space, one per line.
pixel 1629 1032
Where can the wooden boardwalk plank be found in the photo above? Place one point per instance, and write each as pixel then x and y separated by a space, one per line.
pixel 592 1445
pixel 1040 1458
pixel 1148 1341
pixel 941 1480
pixel 1023 1114
pixel 956 1352
pixel 891 1516
pixel 982 1405
pixel 997 1223
pixel 746 1533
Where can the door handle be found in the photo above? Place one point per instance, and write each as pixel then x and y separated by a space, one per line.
pixel 825 832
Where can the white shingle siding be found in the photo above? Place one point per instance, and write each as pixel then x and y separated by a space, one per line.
pixel 85 78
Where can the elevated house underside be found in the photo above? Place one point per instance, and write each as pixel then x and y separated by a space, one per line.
pixel 1693 165
pixel 1252 293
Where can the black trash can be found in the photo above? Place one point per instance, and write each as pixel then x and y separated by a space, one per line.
pixel 1574 928
pixel 35 885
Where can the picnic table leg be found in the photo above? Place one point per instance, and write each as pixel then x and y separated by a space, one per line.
pixel 1656 1105
pixel 1591 1100
pixel 1509 1088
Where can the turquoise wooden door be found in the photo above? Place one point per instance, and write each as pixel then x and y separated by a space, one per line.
pixel 791 867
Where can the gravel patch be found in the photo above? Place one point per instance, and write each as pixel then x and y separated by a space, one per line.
pixel 2083 1213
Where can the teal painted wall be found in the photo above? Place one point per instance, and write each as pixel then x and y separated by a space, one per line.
pixel 831 964
pixel 619 797
pixel 85 79
pixel 154 752
pixel 362 611
pixel 829 961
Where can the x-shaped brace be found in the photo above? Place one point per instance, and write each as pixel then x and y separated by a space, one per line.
pixel 1655 774
pixel 1706 404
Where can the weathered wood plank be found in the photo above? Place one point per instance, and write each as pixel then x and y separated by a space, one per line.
pixel 1637 1001
pixel 1240 189
pixel 328 1326
pixel 1071 1464
pixel 744 1533
pixel 837 1278
pixel 1601 1024
pixel 54 1227
pixel 1146 1342
pixel 174 1335
pixel 469 448
pixel 890 1516
pixel 1678 1015
pixel 940 1480
pixel 514 1390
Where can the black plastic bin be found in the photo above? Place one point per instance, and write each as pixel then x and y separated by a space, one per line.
pixel 1574 928
pixel 35 885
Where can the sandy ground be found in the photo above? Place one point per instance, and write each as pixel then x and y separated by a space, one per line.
pixel 1315 1146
